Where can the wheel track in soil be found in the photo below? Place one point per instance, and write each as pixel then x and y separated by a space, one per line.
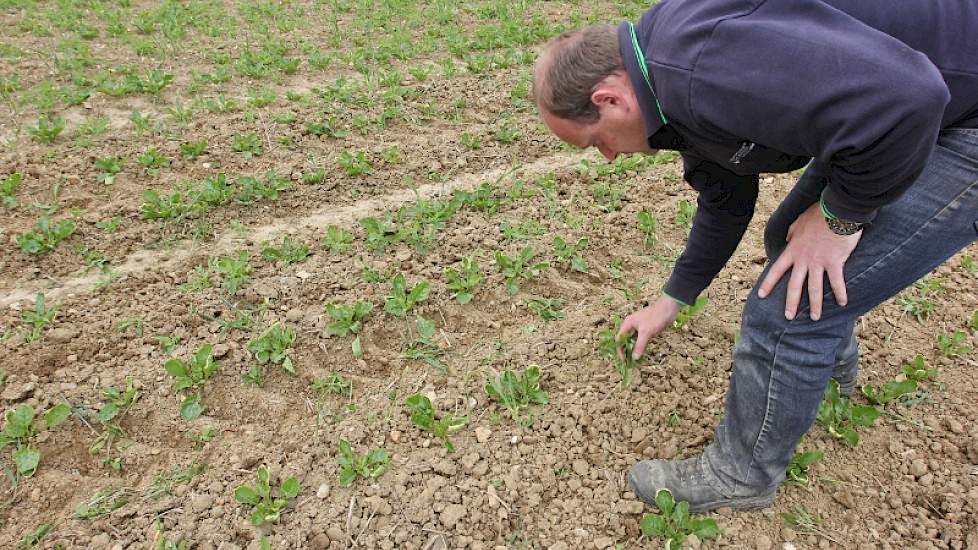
pixel 162 260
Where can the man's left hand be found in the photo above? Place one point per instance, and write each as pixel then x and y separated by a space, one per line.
pixel 813 250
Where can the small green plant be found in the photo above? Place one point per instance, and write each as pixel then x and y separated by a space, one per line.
pixel 401 299
pixel 377 233
pixel 608 345
pixel 248 144
pixel 334 383
pixel 608 196
pixel 969 265
pixel 39 318
pixel 684 215
pixel 102 503
pixel 8 188
pixel 357 164
pixel 441 426
pixel 153 161
pixel 648 225
pixel 329 128
pixel 348 319
pixel 954 345
pixel 686 313
pixel 797 472
pixel 267 509
pixel 273 347
pixel 566 253
pixel 287 252
pixel 192 375
pixel 889 391
pixel 673 523
pixel 20 429
pixel 234 271
pixel 253 189
pixel 838 415
pixel 918 371
pixel 117 404
pixel 369 466
pixel 462 283
pixel 35 537
pixel 517 392
pixel 507 134
pixel 973 321
pixel 109 168
pixel 314 177
pixel 918 301
pixel 471 141
pixel 191 150
pixel 337 240
pixel 45 236
pixel 47 130
pixel 549 309
pixel 518 269
pixel 423 348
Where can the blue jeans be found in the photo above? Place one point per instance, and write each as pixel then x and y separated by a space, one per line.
pixel 782 367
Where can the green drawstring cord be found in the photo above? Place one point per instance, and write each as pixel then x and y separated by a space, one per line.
pixel 645 70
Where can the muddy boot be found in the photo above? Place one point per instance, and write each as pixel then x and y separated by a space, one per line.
pixel 692 481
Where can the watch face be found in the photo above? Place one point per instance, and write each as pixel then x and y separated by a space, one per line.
pixel 843 227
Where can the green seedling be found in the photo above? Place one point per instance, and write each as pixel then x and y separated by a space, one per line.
pixel 273 347
pixel 47 130
pixel 608 196
pixel 797 472
pixel 109 168
pixel 889 391
pixel 401 299
pixel 254 189
pixel 686 313
pixel 377 234
pixel 199 279
pixel 462 283
pixel 192 375
pixel 673 523
pixel 193 149
pixel 337 240
pixel 8 188
pixel 973 321
pixel 168 343
pixel 126 325
pixel 648 225
pixel 103 503
pixel 334 383
pixel 918 371
pixel 348 319
pixel 369 466
pixel 161 542
pixel 287 252
pixel 954 345
pixel 423 348
pixel 45 236
pixel 507 134
pixel 267 509
pixel 684 215
pixel 234 271
pixel 315 177
pixel 549 309
pixel 919 303
pixel 423 416
pixel 109 225
pixel 21 428
pixel 518 269
pixel 153 161
pixel 329 128
pixel 517 392
pixel 39 318
pixel 117 404
pixel 354 164
pixel 838 415
pixel 248 144
pixel 201 438
pixel 470 141
pixel 969 265
pixel 483 199
pixel 522 231
pixel 618 350
pixel 566 253
pixel 35 537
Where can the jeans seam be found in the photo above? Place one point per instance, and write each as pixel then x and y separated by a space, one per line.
pixel 765 424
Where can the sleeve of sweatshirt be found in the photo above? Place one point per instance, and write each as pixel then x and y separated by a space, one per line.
pixel 724 208
pixel 804 78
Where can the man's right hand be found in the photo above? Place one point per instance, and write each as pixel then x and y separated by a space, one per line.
pixel 648 322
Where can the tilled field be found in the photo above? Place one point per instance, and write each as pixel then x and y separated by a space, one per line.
pixel 344 145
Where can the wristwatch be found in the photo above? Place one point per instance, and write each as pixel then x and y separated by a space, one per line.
pixel 836 224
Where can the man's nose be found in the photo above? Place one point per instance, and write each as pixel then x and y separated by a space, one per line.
pixel 608 153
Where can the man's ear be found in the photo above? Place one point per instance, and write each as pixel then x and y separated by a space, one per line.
pixel 610 92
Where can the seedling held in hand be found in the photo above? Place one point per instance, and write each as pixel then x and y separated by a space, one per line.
pixel 618 350
pixel 686 313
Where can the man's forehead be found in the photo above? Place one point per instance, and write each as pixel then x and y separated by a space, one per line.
pixel 567 130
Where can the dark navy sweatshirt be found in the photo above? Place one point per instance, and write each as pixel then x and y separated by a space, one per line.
pixel 863 87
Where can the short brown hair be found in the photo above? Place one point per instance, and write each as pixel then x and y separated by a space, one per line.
pixel 577 61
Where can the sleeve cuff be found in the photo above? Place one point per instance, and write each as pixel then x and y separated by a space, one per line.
pixel 834 206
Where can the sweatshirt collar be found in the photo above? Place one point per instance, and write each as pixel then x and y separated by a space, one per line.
pixel 650 113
